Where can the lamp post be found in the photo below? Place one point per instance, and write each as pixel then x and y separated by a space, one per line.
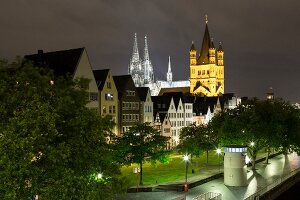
pixel 186 159
pixel 219 152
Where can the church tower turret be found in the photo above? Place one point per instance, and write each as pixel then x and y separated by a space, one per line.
pixel 220 55
pixel 193 54
pixel 212 52
pixel 169 73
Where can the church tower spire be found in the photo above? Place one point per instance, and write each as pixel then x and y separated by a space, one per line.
pixel 169 73
pixel 135 65
pixel 206 44
pixel 147 66
pixel 146 51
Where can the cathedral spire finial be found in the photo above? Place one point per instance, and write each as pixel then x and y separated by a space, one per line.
pixel 169 73
pixel 146 51
pixel 206 19
pixel 135 52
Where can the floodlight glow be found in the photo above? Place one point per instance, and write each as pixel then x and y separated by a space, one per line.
pixel 185 157
pixel 218 151
pixel 247 160
pixel 100 175
pixel 252 144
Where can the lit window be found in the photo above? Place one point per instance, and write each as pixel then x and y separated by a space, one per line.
pixel 109 97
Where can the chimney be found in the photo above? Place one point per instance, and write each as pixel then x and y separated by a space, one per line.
pixel 40 56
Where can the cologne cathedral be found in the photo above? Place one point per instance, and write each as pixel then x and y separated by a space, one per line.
pixel 143 75
pixel 140 70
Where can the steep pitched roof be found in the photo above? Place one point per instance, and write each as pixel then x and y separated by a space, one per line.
pixel 184 90
pixel 193 47
pixel 100 77
pixel 220 47
pixel 162 117
pixel 176 97
pixel 61 62
pixel 201 104
pixel 142 91
pixel 206 43
pixel 159 101
pixel 121 81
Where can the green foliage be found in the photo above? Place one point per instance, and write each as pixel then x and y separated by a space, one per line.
pixel 50 142
pixel 267 123
pixel 140 142
pixel 194 140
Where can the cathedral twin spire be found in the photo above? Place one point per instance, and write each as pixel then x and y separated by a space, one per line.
pixel 141 70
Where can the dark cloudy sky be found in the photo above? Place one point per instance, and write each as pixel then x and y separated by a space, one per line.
pixel 261 38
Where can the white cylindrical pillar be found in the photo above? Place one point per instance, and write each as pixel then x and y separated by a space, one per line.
pixel 235 169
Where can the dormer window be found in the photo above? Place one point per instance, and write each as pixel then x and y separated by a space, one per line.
pixel 130 93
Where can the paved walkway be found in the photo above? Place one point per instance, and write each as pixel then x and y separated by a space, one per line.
pixel 264 175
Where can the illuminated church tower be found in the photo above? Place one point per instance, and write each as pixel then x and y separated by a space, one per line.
pixel 140 70
pixel 207 70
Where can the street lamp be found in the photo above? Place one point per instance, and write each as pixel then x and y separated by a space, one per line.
pixel 252 144
pixel 99 175
pixel 186 159
pixel 219 152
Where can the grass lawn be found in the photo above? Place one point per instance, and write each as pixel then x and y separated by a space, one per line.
pixel 172 171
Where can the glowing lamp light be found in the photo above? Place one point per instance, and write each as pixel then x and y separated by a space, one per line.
pixel 252 144
pixel 218 151
pixel 247 160
pixel 185 157
pixel 99 175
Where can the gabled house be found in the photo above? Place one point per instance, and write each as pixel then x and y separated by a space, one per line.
pixel 179 112
pixel 72 62
pixel 206 107
pixel 108 95
pixel 146 104
pixel 129 102
pixel 163 124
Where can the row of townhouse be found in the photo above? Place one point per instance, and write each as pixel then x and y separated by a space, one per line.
pixel 109 95
pixel 176 110
pixel 118 97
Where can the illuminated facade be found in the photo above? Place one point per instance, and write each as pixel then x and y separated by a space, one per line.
pixel 207 70
pixel 140 70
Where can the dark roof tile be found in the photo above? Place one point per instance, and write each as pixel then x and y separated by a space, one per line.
pixel 61 62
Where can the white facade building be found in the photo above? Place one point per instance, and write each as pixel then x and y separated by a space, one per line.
pixel 179 112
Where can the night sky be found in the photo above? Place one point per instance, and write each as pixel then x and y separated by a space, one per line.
pixel 261 38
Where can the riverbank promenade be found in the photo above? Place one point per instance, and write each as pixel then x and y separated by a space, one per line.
pixel 264 175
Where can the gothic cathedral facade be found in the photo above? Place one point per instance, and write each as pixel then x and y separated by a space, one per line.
pixel 207 70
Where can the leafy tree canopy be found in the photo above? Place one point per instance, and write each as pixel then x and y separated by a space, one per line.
pixel 51 144
pixel 140 142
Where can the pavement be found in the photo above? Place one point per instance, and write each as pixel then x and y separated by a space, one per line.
pixel 263 175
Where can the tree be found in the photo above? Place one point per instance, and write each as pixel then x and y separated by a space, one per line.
pixel 196 139
pixel 51 144
pixel 189 142
pixel 140 142
pixel 263 124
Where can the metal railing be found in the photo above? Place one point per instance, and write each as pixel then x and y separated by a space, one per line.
pixel 274 184
pixel 209 196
